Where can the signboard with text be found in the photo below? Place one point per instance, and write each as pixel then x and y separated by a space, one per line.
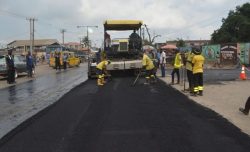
pixel 228 54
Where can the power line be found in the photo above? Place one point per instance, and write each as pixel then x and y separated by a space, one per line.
pixel 13 14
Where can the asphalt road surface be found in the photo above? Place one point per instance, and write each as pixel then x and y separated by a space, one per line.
pixel 121 118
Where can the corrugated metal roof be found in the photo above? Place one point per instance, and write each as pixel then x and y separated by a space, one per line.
pixel 41 42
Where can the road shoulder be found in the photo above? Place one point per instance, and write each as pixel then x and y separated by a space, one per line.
pixel 225 98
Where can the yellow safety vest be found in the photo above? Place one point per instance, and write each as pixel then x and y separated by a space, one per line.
pixel 102 65
pixel 189 65
pixel 146 61
pixel 177 61
pixel 198 61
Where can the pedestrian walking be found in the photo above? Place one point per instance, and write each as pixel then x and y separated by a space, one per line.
pixel 10 67
pixel 177 66
pixel 57 61
pixel 65 60
pixel 100 71
pixel 247 107
pixel 189 70
pixel 198 61
pixel 148 64
pixel 162 63
pixel 43 58
pixel 29 64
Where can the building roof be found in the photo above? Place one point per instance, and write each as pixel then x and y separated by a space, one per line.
pixel 41 42
pixel 72 43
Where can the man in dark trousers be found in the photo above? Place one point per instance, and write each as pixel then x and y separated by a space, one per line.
pixel 29 64
pixel 177 65
pixel 198 62
pixel 189 69
pixel 10 67
pixel 57 60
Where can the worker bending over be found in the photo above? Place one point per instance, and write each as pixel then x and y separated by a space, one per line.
pixel 100 71
pixel 148 64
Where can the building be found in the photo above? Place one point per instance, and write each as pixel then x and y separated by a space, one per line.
pixel 159 45
pixel 192 42
pixel 22 46
pixel 73 45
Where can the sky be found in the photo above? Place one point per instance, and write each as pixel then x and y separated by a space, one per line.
pixel 171 19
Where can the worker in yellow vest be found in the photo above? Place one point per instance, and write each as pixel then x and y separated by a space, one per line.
pixel 100 71
pixel 198 61
pixel 177 65
pixel 148 64
pixel 189 69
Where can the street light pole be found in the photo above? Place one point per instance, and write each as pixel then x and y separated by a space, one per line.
pixel 87 26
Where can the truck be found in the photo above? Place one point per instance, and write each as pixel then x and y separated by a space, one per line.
pixel 124 53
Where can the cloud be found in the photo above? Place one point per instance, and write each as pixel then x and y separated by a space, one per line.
pixel 170 18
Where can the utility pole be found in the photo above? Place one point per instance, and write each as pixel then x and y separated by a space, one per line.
pixel 63 31
pixel 32 32
pixel 87 26
pixel 143 34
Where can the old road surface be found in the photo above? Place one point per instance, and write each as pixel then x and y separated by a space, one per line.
pixel 121 118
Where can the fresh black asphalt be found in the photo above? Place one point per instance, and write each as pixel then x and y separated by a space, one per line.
pixel 121 118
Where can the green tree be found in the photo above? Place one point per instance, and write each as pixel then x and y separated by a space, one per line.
pixel 85 41
pixel 180 43
pixel 235 28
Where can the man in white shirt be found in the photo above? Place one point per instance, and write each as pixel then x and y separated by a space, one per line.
pixel 163 63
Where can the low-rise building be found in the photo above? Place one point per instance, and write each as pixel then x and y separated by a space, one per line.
pixel 22 46
pixel 191 42
pixel 73 45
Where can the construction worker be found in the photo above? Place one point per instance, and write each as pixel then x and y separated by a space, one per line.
pixel 148 64
pixel 101 69
pixel 189 69
pixel 177 65
pixel 198 61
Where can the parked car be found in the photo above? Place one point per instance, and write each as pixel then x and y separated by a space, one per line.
pixel 20 65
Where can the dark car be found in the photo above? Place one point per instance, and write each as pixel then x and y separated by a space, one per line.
pixel 20 65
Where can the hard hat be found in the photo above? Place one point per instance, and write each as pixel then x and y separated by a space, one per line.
pixel 108 62
pixel 196 50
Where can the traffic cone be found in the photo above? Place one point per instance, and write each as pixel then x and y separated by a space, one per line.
pixel 243 73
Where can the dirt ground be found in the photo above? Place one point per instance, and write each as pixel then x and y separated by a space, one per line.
pixel 41 69
pixel 225 98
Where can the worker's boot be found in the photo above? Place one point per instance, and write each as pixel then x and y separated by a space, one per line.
pixel 243 111
pixel 193 94
pixel 103 80
pixel 147 82
pixel 200 93
pixel 99 82
pixel 152 79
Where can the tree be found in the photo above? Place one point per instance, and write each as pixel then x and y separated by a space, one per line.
pixel 235 28
pixel 85 41
pixel 151 39
pixel 180 43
